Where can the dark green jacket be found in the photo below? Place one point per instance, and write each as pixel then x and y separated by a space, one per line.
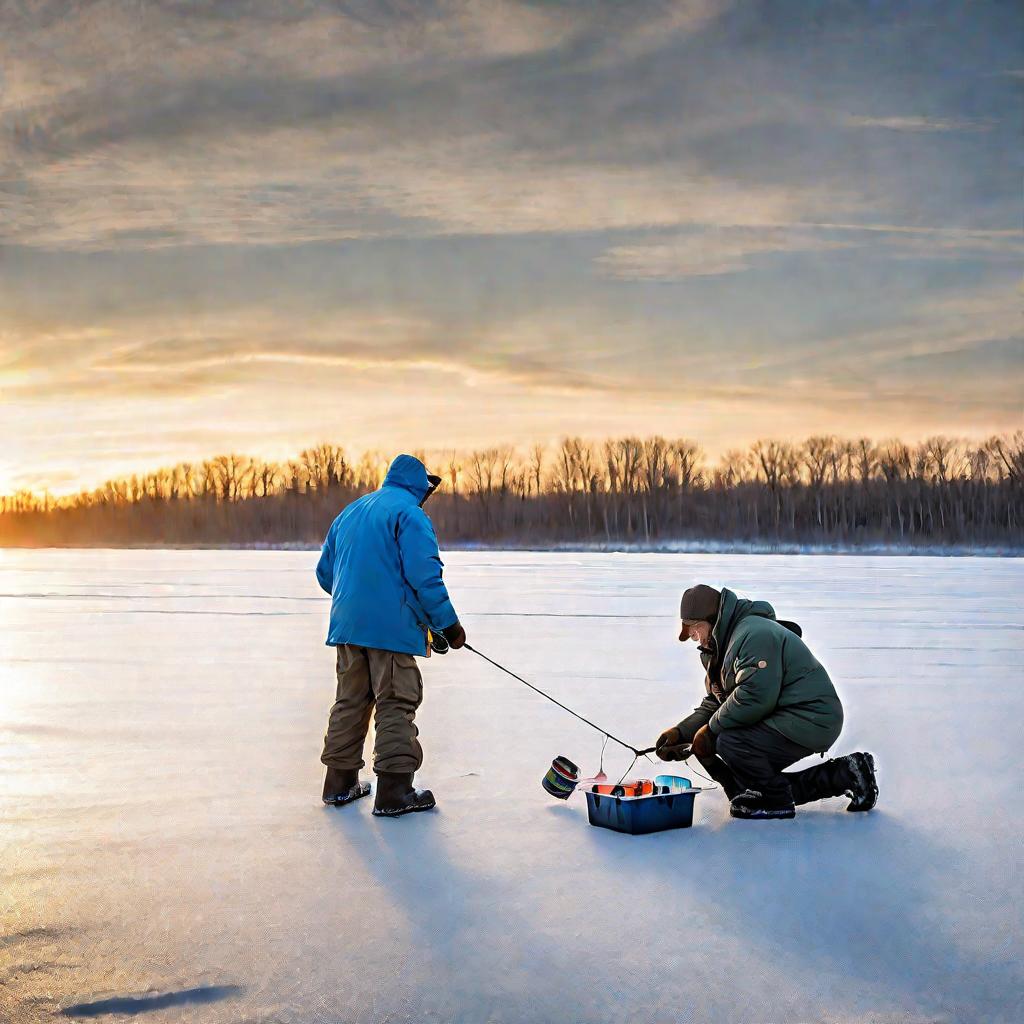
pixel 763 672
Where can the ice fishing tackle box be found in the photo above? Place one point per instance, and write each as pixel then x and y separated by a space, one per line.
pixel 670 807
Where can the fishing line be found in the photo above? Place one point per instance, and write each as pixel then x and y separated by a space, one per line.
pixel 637 754
pixel 702 775
pixel 628 770
pixel 537 689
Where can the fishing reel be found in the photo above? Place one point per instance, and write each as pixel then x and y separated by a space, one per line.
pixel 438 643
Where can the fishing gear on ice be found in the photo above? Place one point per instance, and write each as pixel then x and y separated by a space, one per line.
pixel 643 806
pixel 635 807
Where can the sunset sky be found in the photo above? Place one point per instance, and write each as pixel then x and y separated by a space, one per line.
pixel 417 225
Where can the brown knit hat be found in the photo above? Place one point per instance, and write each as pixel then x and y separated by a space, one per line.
pixel 699 604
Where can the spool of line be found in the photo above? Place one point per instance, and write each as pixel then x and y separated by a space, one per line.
pixel 561 778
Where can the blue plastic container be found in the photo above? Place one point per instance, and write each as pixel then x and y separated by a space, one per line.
pixel 638 815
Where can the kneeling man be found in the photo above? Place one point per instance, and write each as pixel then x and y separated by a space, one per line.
pixel 769 704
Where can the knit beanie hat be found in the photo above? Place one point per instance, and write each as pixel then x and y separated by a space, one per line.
pixel 700 604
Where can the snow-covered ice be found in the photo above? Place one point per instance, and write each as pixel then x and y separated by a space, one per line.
pixel 162 841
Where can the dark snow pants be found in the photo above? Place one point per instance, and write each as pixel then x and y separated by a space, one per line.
pixel 753 758
pixel 387 685
pixel 756 755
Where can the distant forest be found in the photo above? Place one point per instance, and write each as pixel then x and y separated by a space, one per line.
pixel 824 491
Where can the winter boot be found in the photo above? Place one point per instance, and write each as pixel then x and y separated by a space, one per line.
pixel 750 804
pixel 342 786
pixel 863 791
pixel 395 795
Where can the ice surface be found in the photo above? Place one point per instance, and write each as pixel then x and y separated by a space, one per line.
pixel 162 843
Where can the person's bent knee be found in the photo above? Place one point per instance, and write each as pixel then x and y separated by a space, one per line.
pixel 728 744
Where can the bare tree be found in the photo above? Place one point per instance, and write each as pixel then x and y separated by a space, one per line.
pixel 941 491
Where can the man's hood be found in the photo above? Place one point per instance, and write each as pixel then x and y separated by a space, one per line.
pixel 410 474
pixel 731 610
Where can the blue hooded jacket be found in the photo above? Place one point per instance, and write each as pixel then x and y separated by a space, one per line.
pixel 381 566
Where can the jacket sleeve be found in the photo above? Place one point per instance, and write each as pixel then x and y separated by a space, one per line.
pixel 758 668
pixel 422 568
pixel 700 716
pixel 325 567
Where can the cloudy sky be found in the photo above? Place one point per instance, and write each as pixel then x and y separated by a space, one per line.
pixel 398 224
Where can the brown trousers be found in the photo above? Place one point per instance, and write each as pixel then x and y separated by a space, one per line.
pixel 387 685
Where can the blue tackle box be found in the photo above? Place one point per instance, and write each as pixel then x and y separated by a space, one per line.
pixel 670 807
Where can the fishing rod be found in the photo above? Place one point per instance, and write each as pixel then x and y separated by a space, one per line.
pixel 604 732
pixel 537 689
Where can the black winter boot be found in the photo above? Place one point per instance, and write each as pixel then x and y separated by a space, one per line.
pixel 395 795
pixel 750 804
pixel 342 786
pixel 863 790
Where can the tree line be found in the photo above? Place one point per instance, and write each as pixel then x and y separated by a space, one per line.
pixel 825 490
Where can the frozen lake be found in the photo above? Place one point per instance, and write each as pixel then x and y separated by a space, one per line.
pixel 163 845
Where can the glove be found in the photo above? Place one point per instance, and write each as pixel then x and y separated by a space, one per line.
pixel 455 635
pixel 677 752
pixel 671 747
pixel 704 743
pixel 669 738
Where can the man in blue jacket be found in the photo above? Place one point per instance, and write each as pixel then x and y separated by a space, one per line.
pixel 381 566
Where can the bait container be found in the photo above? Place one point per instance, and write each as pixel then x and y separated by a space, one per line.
pixel 669 804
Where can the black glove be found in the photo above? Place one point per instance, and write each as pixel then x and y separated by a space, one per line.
pixel 669 738
pixel 455 635
pixel 670 746
pixel 679 752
